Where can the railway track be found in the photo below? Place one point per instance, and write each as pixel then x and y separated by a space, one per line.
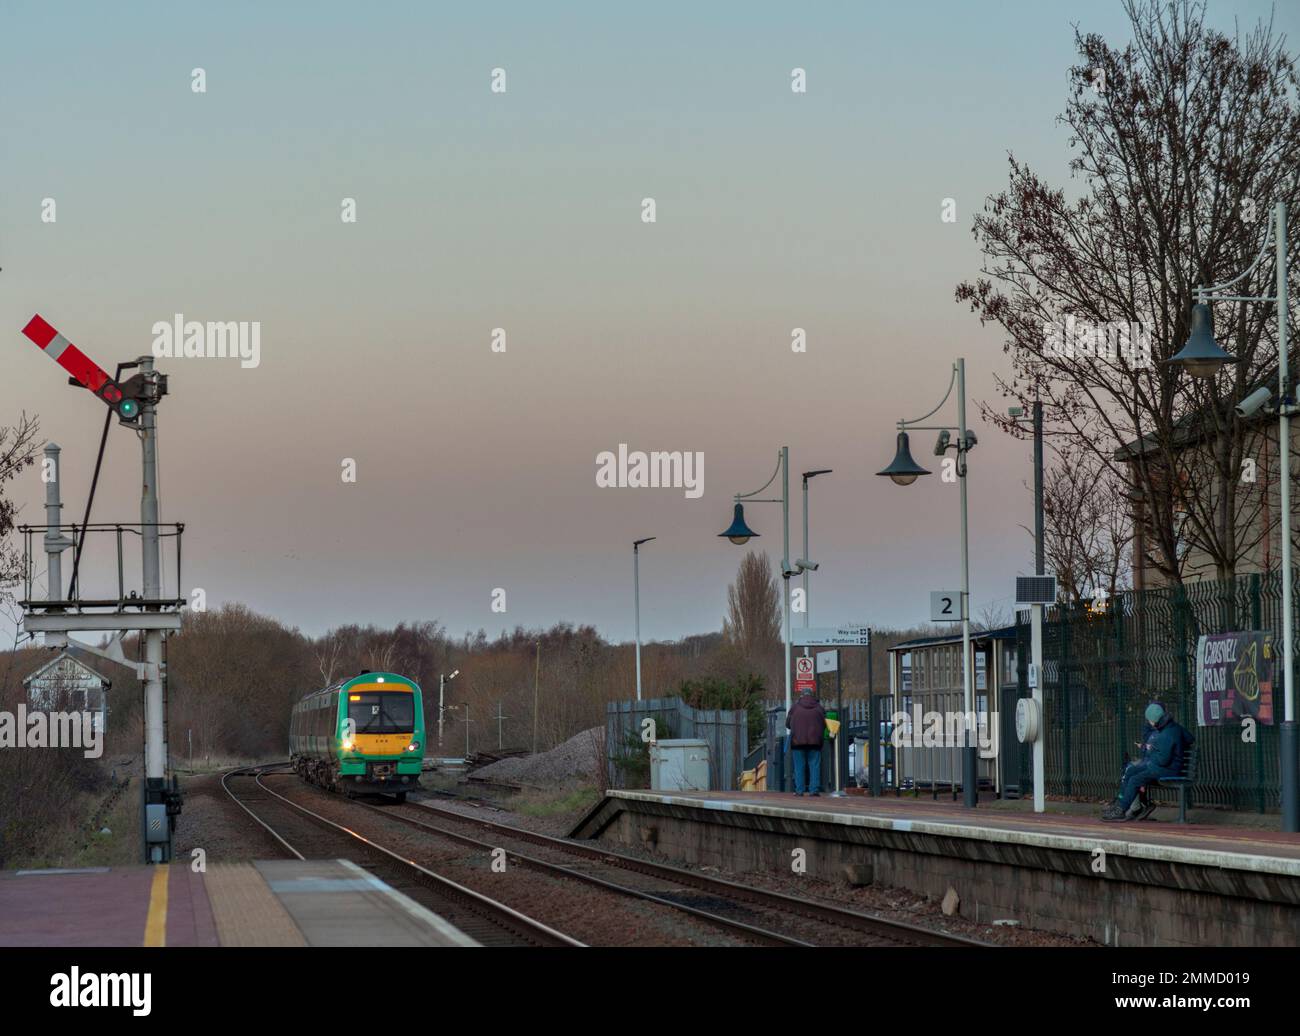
pixel 674 886
pixel 484 919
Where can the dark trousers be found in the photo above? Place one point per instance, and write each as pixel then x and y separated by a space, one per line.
pixel 812 759
pixel 1135 776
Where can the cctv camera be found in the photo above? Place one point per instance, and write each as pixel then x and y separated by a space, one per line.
pixel 810 566
pixel 971 439
pixel 1254 403
pixel 941 444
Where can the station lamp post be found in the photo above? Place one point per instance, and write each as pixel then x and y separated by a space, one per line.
pixel 442 709
pixel 636 597
pixel 903 471
pixel 1203 357
pixel 740 533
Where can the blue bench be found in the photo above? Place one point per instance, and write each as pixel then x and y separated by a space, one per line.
pixel 1184 782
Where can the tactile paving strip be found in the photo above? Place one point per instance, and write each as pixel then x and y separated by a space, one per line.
pixel 246 910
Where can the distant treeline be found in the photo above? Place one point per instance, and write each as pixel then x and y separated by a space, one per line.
pixel 234 674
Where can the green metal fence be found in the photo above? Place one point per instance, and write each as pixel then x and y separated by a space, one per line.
pixel 1101 669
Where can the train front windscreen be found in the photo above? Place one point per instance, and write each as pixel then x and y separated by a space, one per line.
pixel 382 712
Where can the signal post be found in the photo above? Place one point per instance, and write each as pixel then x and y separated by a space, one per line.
pixel 134 402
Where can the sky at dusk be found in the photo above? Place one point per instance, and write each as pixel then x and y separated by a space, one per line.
pixel 476 469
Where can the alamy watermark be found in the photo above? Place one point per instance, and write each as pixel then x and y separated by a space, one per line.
pixel 654 470
pixel 221 339
pixel 917 729
pixel 1085 340
pixel 41 729
pixel 72 988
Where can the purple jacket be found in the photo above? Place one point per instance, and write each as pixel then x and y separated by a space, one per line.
pixel 807 722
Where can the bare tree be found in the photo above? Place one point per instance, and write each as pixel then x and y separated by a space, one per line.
pixel 1087 527
pixel 327 650
pixel 18 445
pixel 1181 138
pixel 992 616
pixel 752 627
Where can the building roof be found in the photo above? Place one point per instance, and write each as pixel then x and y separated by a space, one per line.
pixel 1196 426
pixel 42 670
pixel 1002 633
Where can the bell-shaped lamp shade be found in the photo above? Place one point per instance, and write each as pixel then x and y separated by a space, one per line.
pixel 904 469
pixel 1202 356
pixel 739 533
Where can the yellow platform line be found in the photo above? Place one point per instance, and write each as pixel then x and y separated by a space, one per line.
pixel 155 926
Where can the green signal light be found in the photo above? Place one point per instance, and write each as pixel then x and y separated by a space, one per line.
pixel 128 409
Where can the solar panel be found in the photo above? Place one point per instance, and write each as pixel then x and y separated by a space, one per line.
pixel 1035 589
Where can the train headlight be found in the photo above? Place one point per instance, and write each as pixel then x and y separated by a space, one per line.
pixel 414 746
pixel 347 744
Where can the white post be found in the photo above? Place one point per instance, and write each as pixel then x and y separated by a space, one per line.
pixel 636 594
pixel 806 557
pixel 55 542
pixel 1040 759
pixel 785 562
pixel 970 791
pixel 1284 458
pixel 1287 734
pixel 155 728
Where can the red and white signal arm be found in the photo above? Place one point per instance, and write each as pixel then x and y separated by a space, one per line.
pixel 82 368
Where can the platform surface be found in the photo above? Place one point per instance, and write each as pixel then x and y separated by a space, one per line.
pixel 1269 851
pixel 266 903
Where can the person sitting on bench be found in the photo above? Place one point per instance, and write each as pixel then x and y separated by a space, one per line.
pixel 1168 744
pixel 1142 806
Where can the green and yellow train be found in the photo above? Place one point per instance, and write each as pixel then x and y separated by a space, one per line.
pixel 365 734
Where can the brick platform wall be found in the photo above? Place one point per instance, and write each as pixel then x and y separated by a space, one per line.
pixel 1131 903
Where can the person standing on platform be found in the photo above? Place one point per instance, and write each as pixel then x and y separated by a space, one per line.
pixel 806 721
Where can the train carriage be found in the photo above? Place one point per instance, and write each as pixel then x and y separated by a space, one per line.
pixel 365 734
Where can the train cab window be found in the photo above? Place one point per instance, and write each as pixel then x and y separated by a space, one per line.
pixel 382 712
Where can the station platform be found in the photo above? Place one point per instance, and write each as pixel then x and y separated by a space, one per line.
pixel 264 903
pixel 1135 883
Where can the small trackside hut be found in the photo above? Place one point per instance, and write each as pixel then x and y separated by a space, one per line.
pixel 365 734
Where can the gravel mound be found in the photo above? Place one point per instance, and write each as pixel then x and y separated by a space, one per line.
pixel 577 757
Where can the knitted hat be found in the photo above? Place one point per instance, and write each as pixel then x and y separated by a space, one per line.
pixel 1155 713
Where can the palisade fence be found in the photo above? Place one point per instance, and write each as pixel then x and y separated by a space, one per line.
pixel 1102 669
pixel 627 758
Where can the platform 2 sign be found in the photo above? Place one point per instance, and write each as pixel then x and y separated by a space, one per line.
pixel 1234 677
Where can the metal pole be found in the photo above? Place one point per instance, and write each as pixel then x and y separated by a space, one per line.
pixel 1288 744
pixel 467 730
pixel 537 673
pixel 500 721
pixel 55 542
pixel 155 735
pixel 970 789
pixel 1036 616
pixel 806 558
pixel 785 562
pixel 636 594
pixel 841 743
pixel 873 745
pixel 442 684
